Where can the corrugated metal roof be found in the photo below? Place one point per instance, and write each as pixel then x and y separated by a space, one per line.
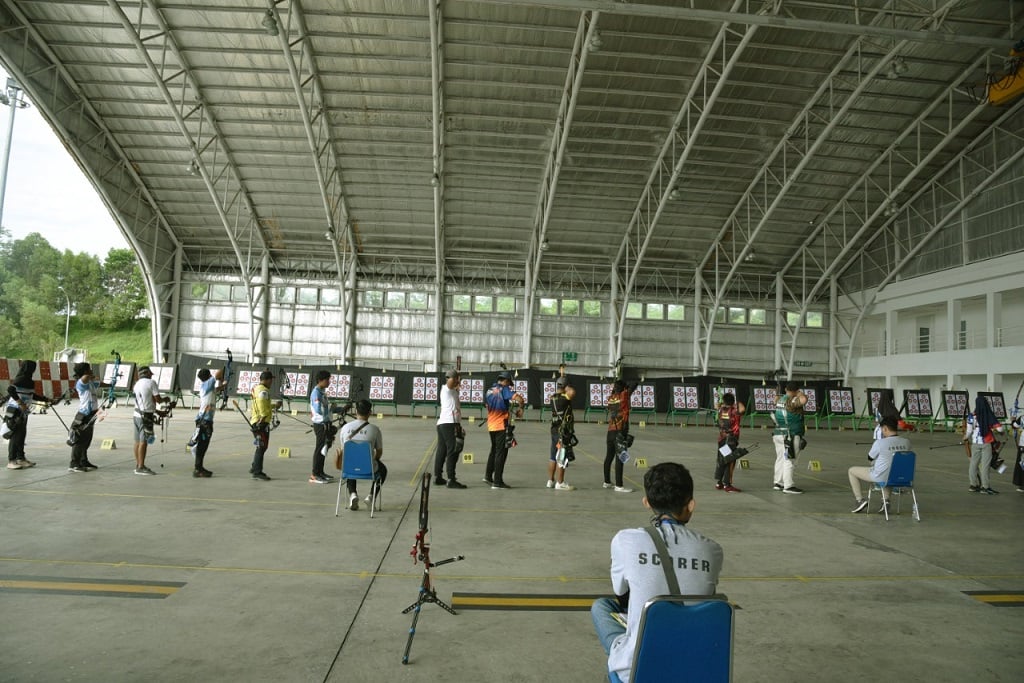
pixel 762 156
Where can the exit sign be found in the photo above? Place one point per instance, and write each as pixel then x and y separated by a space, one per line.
pixel 568 356
pixel 802 363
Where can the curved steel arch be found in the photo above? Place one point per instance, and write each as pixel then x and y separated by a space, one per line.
pixel 104 162
pixel 785 180
pixel 309 94
pixel 967 197
pixel 889 197
pixel 225 180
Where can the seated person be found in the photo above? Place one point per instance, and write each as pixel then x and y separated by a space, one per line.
pixel 360 429
pixel 637 572
pixel 880 456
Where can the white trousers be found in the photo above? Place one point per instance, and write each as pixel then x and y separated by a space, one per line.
pixel 784 466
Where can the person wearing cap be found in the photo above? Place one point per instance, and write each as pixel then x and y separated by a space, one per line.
pixel 449 431
pixel 200 441
pixel 563 434
pixel 500 400
pixel 147 395
pixel 20 393
pixel 357 430
pixel 80 434
pixel 262 415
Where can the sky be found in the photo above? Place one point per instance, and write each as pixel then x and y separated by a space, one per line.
pixel 47 192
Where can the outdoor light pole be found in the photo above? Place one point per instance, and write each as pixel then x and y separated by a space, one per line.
pixel 67 318
pixel 11 96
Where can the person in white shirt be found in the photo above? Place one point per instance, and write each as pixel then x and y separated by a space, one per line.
pixel 449 432
pixel 357 430
pixel 880 456
pixel 637 572
pixel 81 431
pixel 204 422
pixel 147 395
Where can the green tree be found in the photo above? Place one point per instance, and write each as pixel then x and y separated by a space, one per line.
pixel 125 294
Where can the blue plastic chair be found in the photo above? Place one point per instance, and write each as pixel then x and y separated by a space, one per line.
pixel 901 478
pixel 357 463
pixel 683 637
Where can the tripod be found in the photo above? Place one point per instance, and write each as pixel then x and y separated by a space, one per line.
pixel 421 552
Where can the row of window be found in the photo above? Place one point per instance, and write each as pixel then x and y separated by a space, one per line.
pixel 467 303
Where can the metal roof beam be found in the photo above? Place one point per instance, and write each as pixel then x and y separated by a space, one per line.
pixel 662 179
pixel 586 30
pixel 54 91
pixel 958 190
pixel 230 185
pixel 778 174
pixel 305 79
pixel 861 192
pixel 855 26
pixel 437 116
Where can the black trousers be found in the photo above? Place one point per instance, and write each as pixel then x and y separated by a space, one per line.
pixel 382 475
pixel 262 443
pixel 16 444
pixel 496 458
pixel 609 457
pixel 79 450
pixel 202 444
pixel 320 431
pixel 447 451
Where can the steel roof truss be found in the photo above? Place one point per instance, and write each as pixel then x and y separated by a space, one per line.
pixel 311 101
pixel 786 176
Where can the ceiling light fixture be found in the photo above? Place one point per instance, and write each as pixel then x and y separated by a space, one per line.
pixel 192 168
pixel 269 23
pixel 544 245
pixel 595 42
pixel 435 180
pixel 750 256
pixel 675 195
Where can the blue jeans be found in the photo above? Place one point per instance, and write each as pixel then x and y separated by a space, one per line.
pixel 608 629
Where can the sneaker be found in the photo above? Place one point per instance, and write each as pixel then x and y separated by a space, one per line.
pixel 622 489
pixel 25 464
pixel 729 488
pixel 369 497
pixel 974 489
pixel 1020 489
pixel 440 481
pixel 487 480
pixel 989 491
pixel 205 473
pixel 317 479
pixel 452 484
pixel 607 485
pixel 14 465
pixel 551 483
pixel 860 506
pixel 792 489
pixel 328 477
pixel 76 468
pixel 500 485
pixel 778 487
pixel 196 474
pixel 353 501
pixel 89 467
pixel 261 476
pixel 719 486
pixel 562 486
pixel 145 471
pixel 883 507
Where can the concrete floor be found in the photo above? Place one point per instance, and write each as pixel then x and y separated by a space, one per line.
pixel 260 582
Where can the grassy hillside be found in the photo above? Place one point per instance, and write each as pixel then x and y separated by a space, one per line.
pixel 133 343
